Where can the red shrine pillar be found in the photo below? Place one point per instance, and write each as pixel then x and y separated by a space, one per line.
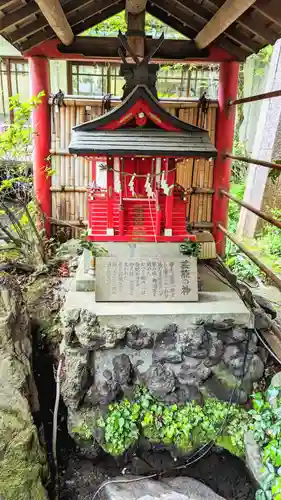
pixel 40 80
pixel 110 191
pixel 228 87
pixel 170 178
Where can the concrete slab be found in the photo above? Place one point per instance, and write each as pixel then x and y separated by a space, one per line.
pixel 217 302
pixel 84 282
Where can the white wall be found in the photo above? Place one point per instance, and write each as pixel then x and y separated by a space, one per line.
pixel 7 50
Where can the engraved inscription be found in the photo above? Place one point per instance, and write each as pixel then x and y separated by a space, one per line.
pixel 146 280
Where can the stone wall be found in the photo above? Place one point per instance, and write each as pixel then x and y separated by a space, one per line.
pixel 23 463
pixel 103 364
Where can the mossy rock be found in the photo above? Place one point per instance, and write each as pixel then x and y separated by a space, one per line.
pixel 23 463
pixel 43 307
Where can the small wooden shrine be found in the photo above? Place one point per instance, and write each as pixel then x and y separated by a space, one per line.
pixel 135 149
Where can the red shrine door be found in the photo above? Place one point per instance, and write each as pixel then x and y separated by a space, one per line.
pixel 135 170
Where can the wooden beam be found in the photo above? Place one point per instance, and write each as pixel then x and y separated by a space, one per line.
pixel 18 16
pixel 271 10
pixel 81 21
pixel 182 27
pixel 135 6
pixel 180 12
pixel 252 20
pixel 108 47
pixel 53 12
pixel 223 18
pixel 6 3
pixel 69 7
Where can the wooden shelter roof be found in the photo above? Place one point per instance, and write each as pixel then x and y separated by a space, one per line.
pixel 23 24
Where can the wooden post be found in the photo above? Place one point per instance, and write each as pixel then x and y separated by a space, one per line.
pixel 135 10
pixel 170 197
pixel 110 190
pixel 228 86
pixel 40 80
pixel 136 33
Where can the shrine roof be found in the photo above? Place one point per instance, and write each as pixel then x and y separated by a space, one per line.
pixel 139 93
pixel 162 135
pixel 137 141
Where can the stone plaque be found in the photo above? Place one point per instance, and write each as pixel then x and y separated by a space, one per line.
pixel 146 280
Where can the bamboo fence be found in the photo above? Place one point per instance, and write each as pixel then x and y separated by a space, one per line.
pixel 72 175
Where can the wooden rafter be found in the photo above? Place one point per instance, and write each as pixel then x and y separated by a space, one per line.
pixel 184 28
pixel 53 12
pixel 18 16
pixel 223 18
pixel 271 10
pixel 95 12
pixel 197 22
pixel 41 22
pixel 254 22
pixel 6 3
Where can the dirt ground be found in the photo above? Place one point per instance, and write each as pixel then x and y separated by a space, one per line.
pixel 222 472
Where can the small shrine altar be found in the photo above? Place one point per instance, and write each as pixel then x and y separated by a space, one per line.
pixel 134 150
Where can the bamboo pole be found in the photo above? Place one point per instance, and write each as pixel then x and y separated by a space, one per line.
pixel 251 256
pixel 258 97
pixel 259 213
pixel 262 163
pixel 61 189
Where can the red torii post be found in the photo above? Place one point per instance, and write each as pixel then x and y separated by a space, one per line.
pixel 228 87
pixel 40 80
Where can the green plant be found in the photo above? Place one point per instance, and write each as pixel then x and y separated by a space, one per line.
pixel 185 427
pixel 242 267
pixel 94 249
pixel 266 427
pixel 238 168
pixel 191 248
pixel 272 236
pixel 120 427
pixel 83 430
pixel 16 185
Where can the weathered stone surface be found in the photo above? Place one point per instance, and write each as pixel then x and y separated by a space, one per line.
pixel 266 305
pixel 183 488
pixel 23 464
pixel 122 369
pixel 254 369
pixel 86 328
pixel 195 342
pixel 214 388
pixel 76 375
pixel 233 335
pixel 166 346
pixel 223 384
pixel 186 393
pixel 138 338
pixel 193 373
pixel 254 459
pixel 105 388
pixel 160 380
pixel 69 249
